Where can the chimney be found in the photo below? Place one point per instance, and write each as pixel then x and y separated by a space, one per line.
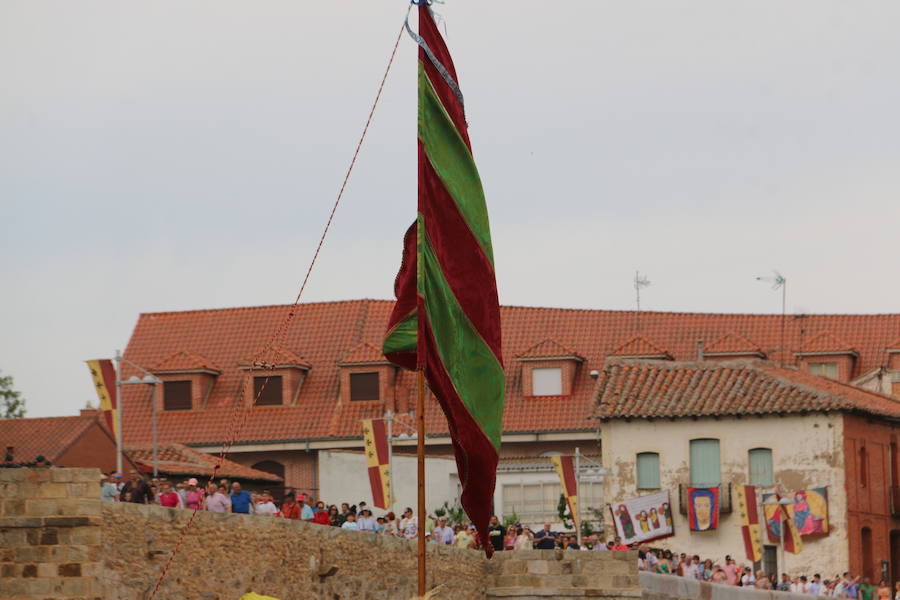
pixel 700 349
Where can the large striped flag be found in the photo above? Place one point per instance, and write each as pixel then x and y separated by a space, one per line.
pixel 750 529
pixel 104 375
pixel 447 317
pixel 378 461
pixel 565 468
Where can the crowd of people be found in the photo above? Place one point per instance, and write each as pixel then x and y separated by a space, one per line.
pixel 229 497
pixel 730 572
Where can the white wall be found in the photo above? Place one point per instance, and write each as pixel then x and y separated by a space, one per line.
pixel 343 477
pixel 807 451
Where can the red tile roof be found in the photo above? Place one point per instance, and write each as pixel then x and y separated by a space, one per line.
pixel 732 344
pixel 364 353
pixel 178 459
pixel 324 332
pixel 548 348
pixel 826 343
pixel 49 436
pixel 640 347
pixel 641 388
pixel 183 361
pixel 276 356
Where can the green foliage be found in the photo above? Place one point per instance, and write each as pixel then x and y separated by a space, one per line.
pixel 510 520
pixel 12 405
pixel 455 514
pixel 565 515
pixel 587 525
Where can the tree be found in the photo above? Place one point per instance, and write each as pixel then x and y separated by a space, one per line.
pixel 12 405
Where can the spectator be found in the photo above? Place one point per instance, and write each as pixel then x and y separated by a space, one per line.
pixel 109 491
pixel 306 512
pixel 366 522
pixel 443 534
pixel 321 515
pixel 545 538
pixel 408 526
pixel 464 537
pixel 495 533
pixel 762 582
pixel 241 502
pixel 785 584
pixel 193 496
pixel 731 570
pixel 524 539
pixel 137 489
pixel 216 501
pixel 618 545
pixel 266 506
pixel 884 590
pixel 334 516
pixel 168 497
pixel 290 509
pixel 509 541
pixel 350 522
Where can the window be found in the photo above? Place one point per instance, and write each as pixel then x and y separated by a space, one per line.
pixel 177 395
pixel 363 386
pixel 770 560
pixel 267 390
pixel 539 502
pixel 648 471
pixel 761 467
pixel 863 467
pixel 546 381
pixel 825 369
pixel 705 469
pixel 270 466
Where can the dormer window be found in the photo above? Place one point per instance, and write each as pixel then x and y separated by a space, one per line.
pixel 188 379
pixel 824 369
pixel 546 381
pixel 639 346
pixel 268 391
pixel 828 356
pixel 732 346
pixel 366 375
pixel 548 369
pixel 274 377
pixel 364 387
pixel 177 395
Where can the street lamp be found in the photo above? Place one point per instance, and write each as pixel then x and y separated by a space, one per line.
pixel 148 379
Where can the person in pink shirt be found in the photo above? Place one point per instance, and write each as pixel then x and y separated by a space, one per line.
pixel 167 497
pixel 193 497
pixel 731 571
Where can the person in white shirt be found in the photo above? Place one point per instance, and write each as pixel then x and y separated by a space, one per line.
pixel 408 527
pixel 266 507
pixel 350 523
pixel 443 534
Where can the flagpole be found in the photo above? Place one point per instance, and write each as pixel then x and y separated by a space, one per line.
pixel 119 412
pixel 420 455
pixel 577 517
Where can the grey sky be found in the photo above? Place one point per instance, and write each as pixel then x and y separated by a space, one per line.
pixel 174 155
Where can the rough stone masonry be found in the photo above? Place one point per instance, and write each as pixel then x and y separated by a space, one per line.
pixel 57 540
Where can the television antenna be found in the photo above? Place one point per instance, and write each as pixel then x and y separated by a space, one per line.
pixel 640 281
pixel 779 282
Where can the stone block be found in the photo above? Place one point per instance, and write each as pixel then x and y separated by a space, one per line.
pixel 46 570
pixel 86 476
pixel 61 475
pixel 69 569
pixel 513 567
pixel 85 535
pixel 29 570
pixel 13 507
pixel 12 475
pixel 9 569
pixel 13 537
pixel 9 490
pixel 41 508
pixel 538 567
pixel 52 490
pixel 37 475
pixel 71 521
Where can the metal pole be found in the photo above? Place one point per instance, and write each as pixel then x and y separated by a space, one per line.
pixel 153 420
pixel 577 517
pixel 119 403
pixel 389 417
pixel 420 455
pixel 783 318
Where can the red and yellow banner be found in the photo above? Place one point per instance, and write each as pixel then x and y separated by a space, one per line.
pixel 778 518
pixel 792 541
pixel 750 527
pixel 565 468
pixel 104 375
pixel 378 461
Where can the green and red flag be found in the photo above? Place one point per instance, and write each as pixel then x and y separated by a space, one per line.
pixel 447 317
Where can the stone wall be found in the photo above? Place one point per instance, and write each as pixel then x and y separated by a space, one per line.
pixel 50 533
pixel 672 587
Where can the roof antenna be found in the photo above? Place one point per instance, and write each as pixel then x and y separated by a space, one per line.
pixel 640 281
pixel 779 281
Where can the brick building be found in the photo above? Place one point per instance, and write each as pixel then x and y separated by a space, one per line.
pixel 328 374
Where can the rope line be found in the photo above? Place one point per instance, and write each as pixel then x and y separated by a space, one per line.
pixel 239 417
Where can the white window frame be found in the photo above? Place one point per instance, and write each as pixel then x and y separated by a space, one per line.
pixel 546 381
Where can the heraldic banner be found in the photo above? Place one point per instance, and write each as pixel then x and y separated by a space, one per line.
pixel 643 518
pixel 703 508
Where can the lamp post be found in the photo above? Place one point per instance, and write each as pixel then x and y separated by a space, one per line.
pixel 780 502
pixel 148 379
pixel 406 435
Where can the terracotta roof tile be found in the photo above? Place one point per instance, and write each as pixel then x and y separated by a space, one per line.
pixel 324 332
pixel 275 356
pixel 49 436
pixel 548 348
pixel 645 388
pixel 732 344
pixel 178 459
pixel 364 353
pixel 826 343
pixel 639 346
pixel 182 361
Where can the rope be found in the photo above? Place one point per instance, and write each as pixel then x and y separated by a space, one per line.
pixel 239 418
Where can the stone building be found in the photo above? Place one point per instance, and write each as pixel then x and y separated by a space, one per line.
pixel 672 425
pixel 327 373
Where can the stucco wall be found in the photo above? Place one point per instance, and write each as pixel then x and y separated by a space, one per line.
pixel 343 477
pixel 807 451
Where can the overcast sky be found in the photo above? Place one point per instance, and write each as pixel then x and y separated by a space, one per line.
pixel 177 155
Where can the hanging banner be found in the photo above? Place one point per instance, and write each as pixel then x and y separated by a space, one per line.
pixel 643 518
pixel 772 512
pixel 565 469
pixel 792 541
pixel 378 461
pixel 104 375
pixel 780 517
pixel 750 528
pixel 811 511
pixel 703 508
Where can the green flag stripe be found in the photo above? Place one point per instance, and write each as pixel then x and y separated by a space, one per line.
pixel 471 365
pixel 453 163
pixel 402 336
